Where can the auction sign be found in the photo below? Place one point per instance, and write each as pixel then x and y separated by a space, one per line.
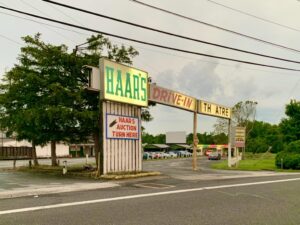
pixel 122 83
pixel 213 109
pixel 171 98
pixel 122 127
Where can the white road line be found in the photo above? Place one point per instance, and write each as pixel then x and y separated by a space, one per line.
pixel 154 185
pixel 141 196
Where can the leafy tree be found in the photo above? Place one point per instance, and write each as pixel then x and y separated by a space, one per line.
pixel 151 139
pixel 208 138
pixel 263 137
pixel 43 98
pixel 290 126
pixel 243 113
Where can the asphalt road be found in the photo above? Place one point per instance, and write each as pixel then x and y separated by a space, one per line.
pixel 167 200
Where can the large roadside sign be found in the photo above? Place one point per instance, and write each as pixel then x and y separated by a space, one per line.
pixel 212 109
pixel 239 137
pixel 122 127
pixel 122 83
pixel 171 98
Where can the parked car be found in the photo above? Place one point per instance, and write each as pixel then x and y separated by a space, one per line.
pixel 146 155
pixel 208 152
pixel 214 156
pixel 189 154
pixel 157 155
pixel 185 154
pixel 173 154
pixel 177 152
pixel 151 155
pixel 165 155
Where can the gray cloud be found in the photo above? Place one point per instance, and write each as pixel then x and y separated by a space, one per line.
pixel 197 79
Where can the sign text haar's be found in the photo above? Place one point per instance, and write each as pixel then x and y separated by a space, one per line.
pixel 171 98
pixel 122 127
pixel 123 84
pixel 213 109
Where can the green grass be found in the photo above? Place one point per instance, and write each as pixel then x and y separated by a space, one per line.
pixel 253 162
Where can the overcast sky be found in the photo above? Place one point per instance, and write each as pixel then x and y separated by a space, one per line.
pixel 209 79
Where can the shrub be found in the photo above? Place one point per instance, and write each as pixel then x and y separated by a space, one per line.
pixel 293 147
pixel 290 160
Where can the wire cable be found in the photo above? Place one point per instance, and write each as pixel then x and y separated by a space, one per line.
pixel 201 60
pixel 43 13
pixel 9 39
pixel 169 33
pixel 217 27
pixel 256 17
pixel 147 43
pixel 46 24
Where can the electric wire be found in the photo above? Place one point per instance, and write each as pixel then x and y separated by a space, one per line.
pixel 169 33
pixel 63 13
pixel 254 16
pixel 46 24
pixel 9 39
pixel 217 27
pixel 137 46
pixel 148 43
pixel 43 13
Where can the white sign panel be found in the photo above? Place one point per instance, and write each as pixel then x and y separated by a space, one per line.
pixel 122 127
pixel 178 137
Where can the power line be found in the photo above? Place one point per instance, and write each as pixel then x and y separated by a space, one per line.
pixel 9 39
pixel 215 26
pixel 169 33
pixel 43 13
pixel 148 43
pixel 74 20
pixel 46 24
pixel 254 16
pixel 202 60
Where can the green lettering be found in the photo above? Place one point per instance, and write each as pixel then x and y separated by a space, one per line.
pixel 136 87
pixel 128 86
pixel 109 80
pixel 143 81
pixel 119 87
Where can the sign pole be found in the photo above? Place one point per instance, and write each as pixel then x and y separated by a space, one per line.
pixel 229 143
pixel 195 142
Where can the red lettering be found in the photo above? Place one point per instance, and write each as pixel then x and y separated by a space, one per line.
pixel 156 93
pixel 164 95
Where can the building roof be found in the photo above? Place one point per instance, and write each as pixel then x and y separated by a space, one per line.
pixel 184 146
pixel 161 145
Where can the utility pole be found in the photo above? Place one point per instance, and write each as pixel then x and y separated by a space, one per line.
pixel 229 143
pixel 195 142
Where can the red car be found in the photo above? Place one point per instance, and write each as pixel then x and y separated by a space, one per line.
pixel 214 156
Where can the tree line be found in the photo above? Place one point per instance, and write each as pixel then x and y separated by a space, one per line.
pixel 260 136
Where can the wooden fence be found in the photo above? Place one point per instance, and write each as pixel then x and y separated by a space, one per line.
pixel 16 153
